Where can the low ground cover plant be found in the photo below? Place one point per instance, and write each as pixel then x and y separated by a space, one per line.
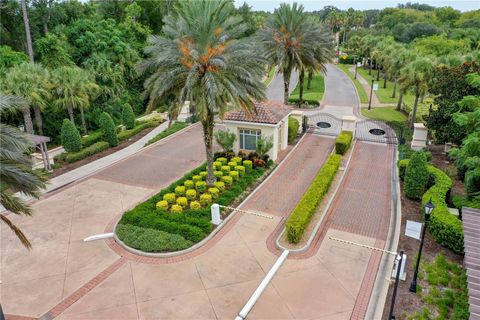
pixel 183 208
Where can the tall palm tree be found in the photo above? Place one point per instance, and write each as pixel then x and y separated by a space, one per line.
pixel 74 89
pixel 199 57
pixel 416 77
pixel 28 35
pixel 31 82
pixel 284 37
pixel 16 174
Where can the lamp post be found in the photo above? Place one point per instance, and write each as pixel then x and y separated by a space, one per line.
pixel 399 259
pixel 371 92
pixel 356 66
pixel 428 210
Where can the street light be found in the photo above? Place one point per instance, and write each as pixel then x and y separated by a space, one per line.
pixel 429 206
pixel 356 65
pixel 371 92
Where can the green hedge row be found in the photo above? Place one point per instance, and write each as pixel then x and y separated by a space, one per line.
pixel 307 102
pixel 127 134
pixel 303 212
pixel 293 125
pixel 177 126
pixel 445 228
pixel 343 142
pixel 86 152
pixel 416 176
pixel 92 138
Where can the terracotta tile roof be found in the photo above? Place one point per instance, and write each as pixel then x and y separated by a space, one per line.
pixel 471 234
pixel 271 112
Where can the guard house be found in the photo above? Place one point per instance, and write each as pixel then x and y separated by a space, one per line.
pixel 270 119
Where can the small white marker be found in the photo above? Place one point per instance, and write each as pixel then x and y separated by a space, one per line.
pixel 99 237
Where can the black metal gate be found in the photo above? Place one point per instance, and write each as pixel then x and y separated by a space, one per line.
pixel 324 123
pixel 375 131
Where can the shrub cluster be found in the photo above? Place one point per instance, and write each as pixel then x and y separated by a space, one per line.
pixel 126 134
pixel 128 117
pixel 342 144
pixel 445 228
pixel 86 152
pixel 71 140
pixel 293 126
pixel 306 102
pixel 303 212
pixel 177 126
pixel 92 138
pixel 108 129
pixel 416 176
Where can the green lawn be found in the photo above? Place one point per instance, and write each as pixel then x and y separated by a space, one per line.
pixel 386 114
pixel 271 74
pixel 361 92
pixel 316 91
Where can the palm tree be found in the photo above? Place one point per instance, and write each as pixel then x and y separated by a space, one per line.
pixel 200 58
pixel 74 89
pixel 31 82
pixel 26 23
pixel 16 174
pixel 286 36
pixel 416 77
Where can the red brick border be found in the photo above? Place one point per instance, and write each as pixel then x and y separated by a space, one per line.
pixel 15 317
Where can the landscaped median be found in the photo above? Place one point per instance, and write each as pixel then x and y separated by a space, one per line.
pixel 179 216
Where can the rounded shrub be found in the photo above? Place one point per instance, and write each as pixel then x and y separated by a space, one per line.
pixel 108 128
pixel 188 184
pixel 222 160
pixel 232 165
pixel 220 185
pixel 205 200
pixel 176 209
pixel 225 169
pixel 234 175
pixel 128 117
pixel 71 139
pixel 472 181
pixel 169 197
pixel 182 201
pixel 201 186
pixel 248 165
pixel 180 190
pixel 217 165
pixel 293 126
pixel 240 170
pixel 214 192
pixel 416 176
pixel 228 180
pixel 197 178
pixel 218 174
pixel 162 205
pixel 203 174
pixel 195 205
pixel 191 194
pixel 238 160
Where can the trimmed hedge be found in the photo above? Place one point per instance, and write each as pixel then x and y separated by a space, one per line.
pixel 86 152
pixel 306 102
pixel 416 176
pixel 303 212
pixel 177 126
pixel 445 228
pixel 342 144
pixel 127 134
pixel 92 138
pixel 293 125
pixel 71 140
pixel 108 129
pixel 128 117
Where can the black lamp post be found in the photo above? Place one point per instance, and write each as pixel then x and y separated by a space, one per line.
pixel 371 93
pixel 356 65
pixel 428 210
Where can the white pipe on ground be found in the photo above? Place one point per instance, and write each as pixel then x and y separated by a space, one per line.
pixel 99 236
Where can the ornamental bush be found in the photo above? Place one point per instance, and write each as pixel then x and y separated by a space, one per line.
pixel 71 139
pixel 232 165
pixel 205 200
pixel 169 197
pixel 162 205
pixel 225 169
pixel 217 165
pixel 201 186
pixel 227 180
pixel 238 160
pixel 293 126
pixel 195 205
pixel 248 165
pixel 197 178
pixel 86 152
pixel 191 194
pixel 343 142
pixel 240 169
pixel 182 201
pixel 222 160
pixel 188 184
pixel 234 175
pixel 214 192
pixel 306 207
pixel 176 208
pixel 416 176
pixel 108 128
pixel 128 117
pixel 220 185
pixel 180 190
pixel 217 174
pixel 203 175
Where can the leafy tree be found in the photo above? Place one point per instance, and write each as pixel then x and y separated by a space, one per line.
pixel 225 139
pixel 16 174
pixel 10 58
pixel 199 58
pixel 440 46
pixel 53 51
pixel 264 145
pixel 108 129
pixel 128 117
pixel 71 140
pixel 74 88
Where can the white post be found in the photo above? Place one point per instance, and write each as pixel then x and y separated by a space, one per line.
pixel 215 210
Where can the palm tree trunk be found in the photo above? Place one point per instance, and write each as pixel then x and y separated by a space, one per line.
pixel 38 119
pixel 84 125
pixel 208 124
pixel 286 85
pixel 400 100
pixel 385 81
pixel 26 23
pixel 394 88
pixel 414 111
pixel 70 113
pixel 27 119
pixel 310 78
pixel 301 80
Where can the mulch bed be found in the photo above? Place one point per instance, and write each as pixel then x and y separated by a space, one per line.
pixel 407 302
pixel 66 167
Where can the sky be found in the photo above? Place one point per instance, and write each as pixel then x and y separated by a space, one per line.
pixel 311 5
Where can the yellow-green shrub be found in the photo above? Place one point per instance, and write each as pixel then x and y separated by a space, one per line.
pixel 191 194
pixel 225 169
pixel 232 165
pixel 180 190
pixel 182 201
pixel 220 185
pixel 214 192
pixel 238 160
pixel 248 165
pixel 195 205
pixel 217 174
pixel 169 197
pixel 197 178
pixel 201 186
pixel 203 174
pixel 240 169
pixel 343 142
pixel 205 200
pixel 188 184
pixel 228 180
pixel 176 209
pixel 222 160
pixel 162 205
pixel 234 175
pixel 217 165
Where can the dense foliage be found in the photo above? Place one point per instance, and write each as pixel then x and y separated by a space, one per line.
pixel 108 129
pixel 293 126
pixel 71 139
pixel 343 141
pixel 416 176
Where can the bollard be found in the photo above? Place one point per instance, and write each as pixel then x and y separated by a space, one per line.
pixel 215 210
